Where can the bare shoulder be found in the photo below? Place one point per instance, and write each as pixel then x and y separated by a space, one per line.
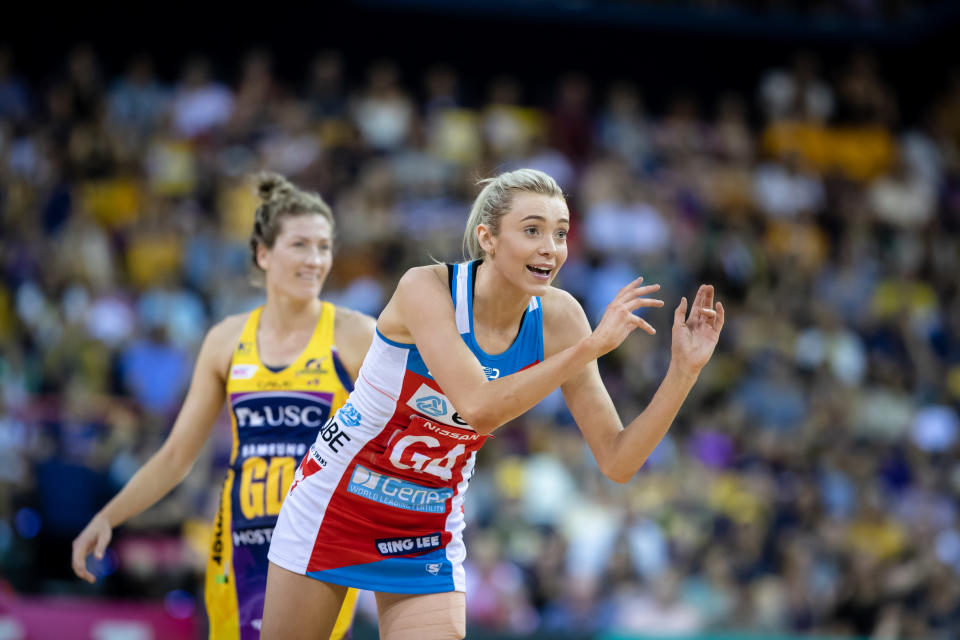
pixel 228 330
pixel 421 289
pixel 427 275
pixel 347 317
pixel 561 309
pixel 564 321
pixel 221 340
pixel 424 285
pixel 352 335
pixel 351 325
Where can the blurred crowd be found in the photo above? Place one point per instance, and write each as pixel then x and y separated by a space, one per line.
pixel 810 482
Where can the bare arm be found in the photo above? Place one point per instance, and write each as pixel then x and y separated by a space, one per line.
pixel 171 463
pixel 620 451
pixel 422 307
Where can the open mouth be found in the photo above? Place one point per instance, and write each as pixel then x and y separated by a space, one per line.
pixel 540 272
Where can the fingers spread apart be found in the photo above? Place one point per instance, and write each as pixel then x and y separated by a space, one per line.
pixel 629 292
pixel 636 303
pixel 631 285
pixel 643 324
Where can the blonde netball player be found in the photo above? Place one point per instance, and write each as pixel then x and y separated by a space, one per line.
pixel 284 367
pixel 459 351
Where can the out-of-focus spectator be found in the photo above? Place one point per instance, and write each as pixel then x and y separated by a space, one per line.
pixel 452 131
pixel 623 126
pixel 902 199
pixel 659 608
pixel 256 99
pixel 14 99
pixel 508 123
pixel 863 97
pixel 681 132
pixel 84 84
pixel 200 104
pixel 383 112
pixel 618 220
pixel 784 189
pixel 155 372
pixel 325 90
pixel 497 592
pixel 798 94
pixel 138 102
pixel 571 127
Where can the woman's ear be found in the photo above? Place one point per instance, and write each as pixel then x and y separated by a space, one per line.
pixel 486 239
pixel 263 257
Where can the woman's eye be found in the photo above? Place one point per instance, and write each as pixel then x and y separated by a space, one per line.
pixel 531 231
pixel 562 234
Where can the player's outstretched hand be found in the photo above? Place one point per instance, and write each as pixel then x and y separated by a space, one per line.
pixel 95 537
pixel 695 338
pixel 619 321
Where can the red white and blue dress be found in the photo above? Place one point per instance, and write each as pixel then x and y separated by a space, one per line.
pixel 377 502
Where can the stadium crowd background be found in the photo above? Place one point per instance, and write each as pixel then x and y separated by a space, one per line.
pixel 810 483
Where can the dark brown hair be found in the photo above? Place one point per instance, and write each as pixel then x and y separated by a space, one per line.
pixel 281 199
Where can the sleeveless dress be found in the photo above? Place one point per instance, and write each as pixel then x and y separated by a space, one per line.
pixel 275 416
pixel 377 502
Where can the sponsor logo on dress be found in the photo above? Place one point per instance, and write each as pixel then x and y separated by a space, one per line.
pixel 334 436
pixel 436 405
pixel 491 373
pixel 313 367
pixel 311 464
pixel 446 432
pixel 397 493
pixel 271 449
pixel 243 371
pixel 274 384
pixel 410 545
pixel 292 409
pixel 252 537
pixel 217 547
pixel 349 415
pixel 433 568
pixel 432 406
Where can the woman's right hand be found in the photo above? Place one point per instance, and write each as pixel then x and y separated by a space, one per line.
pixel 619 321
pixel 94 537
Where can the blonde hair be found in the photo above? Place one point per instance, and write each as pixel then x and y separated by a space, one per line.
pixel 281 199
pixel 494 201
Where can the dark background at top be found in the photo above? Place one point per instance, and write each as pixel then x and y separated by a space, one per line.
pixel 665 49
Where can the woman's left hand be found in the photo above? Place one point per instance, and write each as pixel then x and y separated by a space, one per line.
pixel 695 338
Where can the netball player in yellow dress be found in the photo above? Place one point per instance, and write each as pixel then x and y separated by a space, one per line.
pixel 284 368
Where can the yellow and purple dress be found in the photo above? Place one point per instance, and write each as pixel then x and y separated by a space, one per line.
pixel 275 415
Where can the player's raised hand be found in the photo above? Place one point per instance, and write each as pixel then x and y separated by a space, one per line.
pixel 619 319
pixel 695 337
pixel 95 537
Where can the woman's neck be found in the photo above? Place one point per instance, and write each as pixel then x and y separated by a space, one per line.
pixel 497 303
pixel 282 314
